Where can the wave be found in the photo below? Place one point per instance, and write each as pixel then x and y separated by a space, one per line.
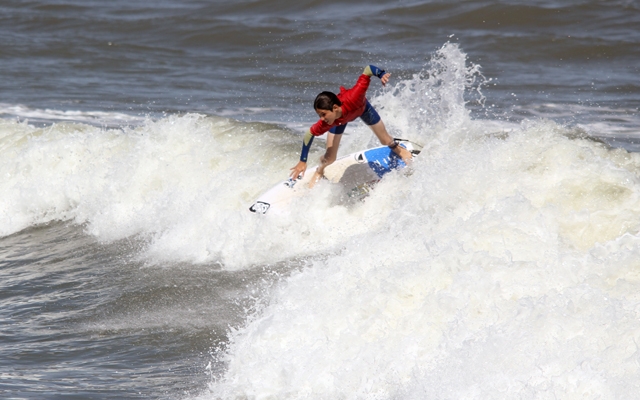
pixel 147 180
pixel 504 265
pixel 48 116
pixel 504 262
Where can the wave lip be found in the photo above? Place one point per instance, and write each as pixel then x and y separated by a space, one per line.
pixel 100 118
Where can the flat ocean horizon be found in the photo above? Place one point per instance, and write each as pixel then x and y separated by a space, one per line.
pixel 135 135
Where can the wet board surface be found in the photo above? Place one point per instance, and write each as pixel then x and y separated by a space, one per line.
pixel 355 172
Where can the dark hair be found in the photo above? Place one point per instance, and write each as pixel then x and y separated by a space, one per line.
pixel 326 101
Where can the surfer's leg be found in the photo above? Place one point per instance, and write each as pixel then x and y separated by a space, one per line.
pixel 333 142
pixel 381 132
pixel 370 117
pixel 330 155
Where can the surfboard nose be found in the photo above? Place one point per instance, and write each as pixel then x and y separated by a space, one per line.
pixel 259 207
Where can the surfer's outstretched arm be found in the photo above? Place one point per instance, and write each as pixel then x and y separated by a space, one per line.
pixel 371 70
pixel 301 167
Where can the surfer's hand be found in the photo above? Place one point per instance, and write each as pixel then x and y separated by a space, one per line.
pixel 385 79
pixel 298 170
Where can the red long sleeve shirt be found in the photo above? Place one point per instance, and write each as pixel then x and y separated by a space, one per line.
pixel 353 103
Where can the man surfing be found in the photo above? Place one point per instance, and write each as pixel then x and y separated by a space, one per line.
pixel 335 111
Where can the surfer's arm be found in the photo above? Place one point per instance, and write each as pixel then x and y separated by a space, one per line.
pixel 301 167
pixel 358 92
pixel 306 145
pixel 371 70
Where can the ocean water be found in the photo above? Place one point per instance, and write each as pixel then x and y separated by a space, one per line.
pixel 505 263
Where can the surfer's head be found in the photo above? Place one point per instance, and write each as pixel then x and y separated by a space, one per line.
pixel 327 106
pixel 326 101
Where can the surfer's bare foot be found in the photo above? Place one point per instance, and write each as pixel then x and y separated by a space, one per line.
pixel 403 153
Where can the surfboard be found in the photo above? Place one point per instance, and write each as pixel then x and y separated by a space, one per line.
pixel 356 173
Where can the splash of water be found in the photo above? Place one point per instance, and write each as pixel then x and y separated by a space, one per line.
pixel 152 180
pixel 503 266
pixel 435 99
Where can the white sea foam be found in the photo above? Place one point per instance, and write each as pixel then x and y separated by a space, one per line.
pixel 507 268
pixel 596 120
pixel 101 118
pixel 187 180
pixel 504 266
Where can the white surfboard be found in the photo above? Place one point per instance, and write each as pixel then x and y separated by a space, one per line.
pixel 356 172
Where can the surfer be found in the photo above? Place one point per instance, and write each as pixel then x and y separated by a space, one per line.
pixel 335 111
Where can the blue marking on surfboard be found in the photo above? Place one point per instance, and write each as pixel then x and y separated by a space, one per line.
pixel 382 160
